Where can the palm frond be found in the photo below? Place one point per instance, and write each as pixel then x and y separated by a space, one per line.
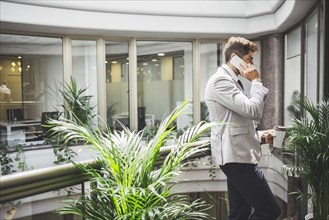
pixel 309 138
pixel 130 185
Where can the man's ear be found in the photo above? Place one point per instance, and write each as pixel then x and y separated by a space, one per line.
pixel 232 55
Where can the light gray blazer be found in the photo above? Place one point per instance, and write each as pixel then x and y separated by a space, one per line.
pixel 234 139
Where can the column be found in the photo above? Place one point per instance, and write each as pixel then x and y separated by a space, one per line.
pixel 272 74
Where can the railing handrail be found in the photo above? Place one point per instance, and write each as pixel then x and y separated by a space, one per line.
pixel 33 182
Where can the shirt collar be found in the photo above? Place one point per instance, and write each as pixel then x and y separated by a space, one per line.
pixel 230 71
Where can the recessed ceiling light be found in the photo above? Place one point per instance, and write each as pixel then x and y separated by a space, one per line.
pixel 161 54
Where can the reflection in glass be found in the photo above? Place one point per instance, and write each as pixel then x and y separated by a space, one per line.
pixel 209 62
pixel 164 81
pixel 292 76
pixel 293 43
pixel 32 70
pixel 322 61
pixel 117 66
pixel 311 57
pixel 84 68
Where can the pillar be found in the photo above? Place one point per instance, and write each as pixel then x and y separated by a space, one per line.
pixel 272 74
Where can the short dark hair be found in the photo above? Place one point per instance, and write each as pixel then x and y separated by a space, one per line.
pixel 239 45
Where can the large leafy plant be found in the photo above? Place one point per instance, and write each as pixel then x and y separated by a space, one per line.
pixel 294 107
pixel 130 182
pixel 77 106
pixel 309 138
pixel 78 109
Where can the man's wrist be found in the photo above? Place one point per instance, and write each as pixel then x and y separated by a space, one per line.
pixel 257 80
pixel 262 139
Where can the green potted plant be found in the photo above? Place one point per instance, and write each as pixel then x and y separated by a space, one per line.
pixel 78 109
pixel 77 105
pixel 309 139
pixel 130 183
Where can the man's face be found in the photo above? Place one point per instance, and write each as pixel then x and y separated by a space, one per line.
pixel 248 58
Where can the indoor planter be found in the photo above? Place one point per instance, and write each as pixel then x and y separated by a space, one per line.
pixel 78 109
pixel 309 139
pixel 77 106
pixel 130 184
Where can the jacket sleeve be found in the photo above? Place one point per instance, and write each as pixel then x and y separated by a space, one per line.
pixel 228 94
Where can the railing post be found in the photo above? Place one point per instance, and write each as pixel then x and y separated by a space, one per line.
pixel 292 212
pixel 83 193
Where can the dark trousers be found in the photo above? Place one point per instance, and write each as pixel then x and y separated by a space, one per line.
pixel 247 189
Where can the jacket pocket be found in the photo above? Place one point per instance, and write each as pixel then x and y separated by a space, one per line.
pixel 241 141
pixel 239 131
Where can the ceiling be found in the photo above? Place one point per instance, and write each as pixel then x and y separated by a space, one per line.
pixel 153 18
pixel 194 8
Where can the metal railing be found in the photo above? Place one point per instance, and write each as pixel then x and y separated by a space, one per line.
pixel 33 182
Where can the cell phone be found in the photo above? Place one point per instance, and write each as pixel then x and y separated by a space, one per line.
pixel 236 60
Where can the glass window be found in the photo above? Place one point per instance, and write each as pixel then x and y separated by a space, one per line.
pixel 293 43
pixel 117 95
pixel 164 81
pixel 210 60
pixel 322 52
pixel 84 69
pixel 292 76
pixel 31 70
pixel 311 57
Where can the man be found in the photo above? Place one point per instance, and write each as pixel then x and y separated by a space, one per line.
pixel 235 146
pixel 5 92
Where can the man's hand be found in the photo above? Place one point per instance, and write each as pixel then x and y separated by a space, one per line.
pixel 268 136
pixel 249 71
